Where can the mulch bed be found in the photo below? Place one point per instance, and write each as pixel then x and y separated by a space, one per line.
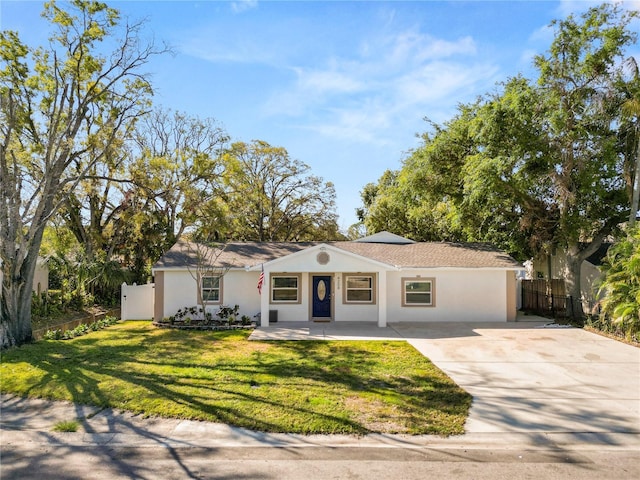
pixel 195 326
pixel 613 336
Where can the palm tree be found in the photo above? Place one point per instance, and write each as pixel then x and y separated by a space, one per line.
pixel 631 111
pixel 621 284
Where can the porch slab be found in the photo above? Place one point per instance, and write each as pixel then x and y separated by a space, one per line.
pixel 325 331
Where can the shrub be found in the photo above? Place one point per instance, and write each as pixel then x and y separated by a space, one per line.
pixel 81 329
pixel 621 285
pixel 53 334
pixel 189 313
pixel 228 314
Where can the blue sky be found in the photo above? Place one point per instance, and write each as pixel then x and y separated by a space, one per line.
pixel 343 86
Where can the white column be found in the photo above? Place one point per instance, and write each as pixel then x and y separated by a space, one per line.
pixel 264 300
pixel 382 298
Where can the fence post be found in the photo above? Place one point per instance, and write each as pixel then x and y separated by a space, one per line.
pixel 123 301
pixel 570 302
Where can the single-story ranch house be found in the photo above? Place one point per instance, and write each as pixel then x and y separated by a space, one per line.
pixel 382 278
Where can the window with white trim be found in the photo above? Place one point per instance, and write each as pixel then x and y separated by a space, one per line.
pixel 285 288
pixel 359 289
pixel 211 288
pixel 418 292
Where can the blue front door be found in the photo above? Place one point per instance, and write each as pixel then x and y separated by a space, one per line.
pixel 321 302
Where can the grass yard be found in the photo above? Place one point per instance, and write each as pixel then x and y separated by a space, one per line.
pixel 353 387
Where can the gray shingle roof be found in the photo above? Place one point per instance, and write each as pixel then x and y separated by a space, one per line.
pixel 434 254
pixel 424 254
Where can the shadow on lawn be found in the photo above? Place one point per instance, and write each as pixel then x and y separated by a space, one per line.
pixel 419 394
pixel 168 365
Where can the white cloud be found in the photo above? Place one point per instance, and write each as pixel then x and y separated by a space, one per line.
pixel 355 91
pixel 388 80
pixel 213 46
pixel 576 7
pixel 418 48
pixel 355 125
pixel 412 48
pixel 542 35
pixel 527 56
pixel 441 80
pixel 329 81
pixel 240 6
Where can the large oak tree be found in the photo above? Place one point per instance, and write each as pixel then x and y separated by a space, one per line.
pixel 61 109
pixel 535 166
pixel 268 196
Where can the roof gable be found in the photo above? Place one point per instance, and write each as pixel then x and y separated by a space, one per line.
pixel 335 258
pixel 385 237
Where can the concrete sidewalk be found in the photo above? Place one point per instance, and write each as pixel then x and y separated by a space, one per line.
pixel 30 422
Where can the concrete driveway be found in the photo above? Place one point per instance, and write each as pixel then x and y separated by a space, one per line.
pixel 524 377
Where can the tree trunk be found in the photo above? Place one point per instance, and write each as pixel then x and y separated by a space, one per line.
pixel 15 304
pixel 576 254
pixel 573 283
pixel 636 190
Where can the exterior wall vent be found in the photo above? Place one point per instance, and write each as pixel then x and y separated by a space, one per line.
pixel 323 258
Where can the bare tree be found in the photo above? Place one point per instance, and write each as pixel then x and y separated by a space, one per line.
pixel 205 269
pixel 62 108
pixel 178 165
pixel 271 197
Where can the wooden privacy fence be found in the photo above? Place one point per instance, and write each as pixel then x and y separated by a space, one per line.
pixel 547 298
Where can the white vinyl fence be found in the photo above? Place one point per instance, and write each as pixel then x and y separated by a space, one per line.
pixel 137 301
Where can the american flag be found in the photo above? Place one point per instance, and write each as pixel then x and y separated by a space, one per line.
pixel 260 281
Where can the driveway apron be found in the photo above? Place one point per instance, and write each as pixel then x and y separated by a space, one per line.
pixel 526 377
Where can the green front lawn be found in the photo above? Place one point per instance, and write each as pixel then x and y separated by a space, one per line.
pixel 296 386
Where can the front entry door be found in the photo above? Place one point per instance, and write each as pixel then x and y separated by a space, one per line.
pixel 321 302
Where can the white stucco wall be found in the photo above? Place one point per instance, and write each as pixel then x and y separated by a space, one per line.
pixel 460 295
pixel 355 313
pixel 179 291
pixel 40 277
pixel 239 287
